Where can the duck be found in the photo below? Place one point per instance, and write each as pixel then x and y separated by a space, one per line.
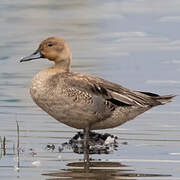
pixel 84 101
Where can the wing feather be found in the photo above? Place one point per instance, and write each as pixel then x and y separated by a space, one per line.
pixel 109 91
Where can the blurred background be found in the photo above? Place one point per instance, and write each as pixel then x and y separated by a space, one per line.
pixel 133 43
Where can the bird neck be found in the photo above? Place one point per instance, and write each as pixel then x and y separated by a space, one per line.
pixel 63 65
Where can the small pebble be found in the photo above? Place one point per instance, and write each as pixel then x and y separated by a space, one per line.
pixel 36 163
pixel 109 140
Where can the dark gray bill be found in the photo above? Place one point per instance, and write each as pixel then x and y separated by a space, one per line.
pixel 35 55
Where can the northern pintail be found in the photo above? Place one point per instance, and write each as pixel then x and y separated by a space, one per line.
pixel 83 101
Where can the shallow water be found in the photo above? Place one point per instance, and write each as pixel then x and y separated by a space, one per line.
pixel 133 43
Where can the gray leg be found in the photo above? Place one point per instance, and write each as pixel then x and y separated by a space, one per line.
pixel 86 148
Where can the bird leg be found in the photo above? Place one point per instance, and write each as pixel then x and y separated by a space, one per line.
pixel 86 148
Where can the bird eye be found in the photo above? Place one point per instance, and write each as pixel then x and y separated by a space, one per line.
pixel 49 44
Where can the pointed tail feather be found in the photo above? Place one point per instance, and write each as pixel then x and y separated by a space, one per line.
pixel 164 99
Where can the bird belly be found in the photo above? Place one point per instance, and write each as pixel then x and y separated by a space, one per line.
pixel 63 108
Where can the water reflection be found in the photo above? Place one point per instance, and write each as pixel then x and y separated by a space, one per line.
pixel 98 144
pixel 99 171
pixel 91 169
pixel 96 169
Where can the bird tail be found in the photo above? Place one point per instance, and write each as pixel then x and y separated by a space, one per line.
pixel 164 99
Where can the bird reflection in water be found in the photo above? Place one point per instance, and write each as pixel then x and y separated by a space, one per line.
pixel 95 169
pixel 99 171
pixel 98 144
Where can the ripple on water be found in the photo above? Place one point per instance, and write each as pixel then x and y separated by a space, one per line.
pixel 104 44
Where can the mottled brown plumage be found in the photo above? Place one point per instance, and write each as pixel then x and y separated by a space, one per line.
pixel 83 101
pixel 80 100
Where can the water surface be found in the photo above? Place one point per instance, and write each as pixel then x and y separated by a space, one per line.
pixel 133 43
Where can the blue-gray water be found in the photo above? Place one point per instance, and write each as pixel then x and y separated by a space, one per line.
pixel 133 43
